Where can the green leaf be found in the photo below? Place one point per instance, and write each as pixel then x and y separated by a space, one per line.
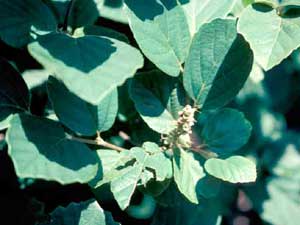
pixel 211 66
pixel 35 78
pixel 113 10
pixel 110 161
pixel 90 66
pixel 20 19
pixel 200 12
pixel 254 87
pixel 161 30
pixel 82 213
pixel 158 161
pixel 83 12
pixel 187 170
pixel 14 94
pixel 150 157
pixel 157 102
pixel 40 149
pixel 100 31
pixel 4 124
pixel 144 210
pixel 282 157
pixel 59 9
pixel 184 212
pixel 208 187
pixel 226 131
pixel 128 178
pixel 278 3
pixel 276 200
pixel 235 169
pixel 161 165
pixel 271 37
pixel 124 186
pixel 78 115
pixel 278 207
pixel 156 188
pixel 239 6
pixel 291 3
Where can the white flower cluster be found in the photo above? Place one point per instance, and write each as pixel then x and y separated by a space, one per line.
pixel 180 136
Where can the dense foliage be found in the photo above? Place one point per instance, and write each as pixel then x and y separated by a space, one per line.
pixel 172 111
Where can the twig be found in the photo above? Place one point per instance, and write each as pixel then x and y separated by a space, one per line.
pixel 111 146
pixel 206 154
pixel 99 142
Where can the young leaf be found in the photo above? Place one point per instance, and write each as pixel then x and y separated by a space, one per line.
pixel 19 19
pixel 124 185
pixel 211 66
pixel 161 30
pixel 40 149
pixel 90 66
pixel 14 94
pixel 157 102
pixel 235 169
pixel 272 37
pixel 80 214
pixel 200 12
pixel 226 131
pixel 78 115
pixel 126 179
pixel 187 173
pixel 158 161
pixel 110 161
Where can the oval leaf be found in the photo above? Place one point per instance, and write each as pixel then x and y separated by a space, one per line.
pixel 200 12
pixel 211 66
pixel 187 173
pixel 226 131
pixel 157 102
pixel 271 37
pixel 90 66
pixel 161 30
pixel 158 161
pixel 40 149
pixel 236 169
pixel 78 115
pixel 110 161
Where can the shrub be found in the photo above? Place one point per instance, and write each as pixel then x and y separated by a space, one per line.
pixel 157 120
